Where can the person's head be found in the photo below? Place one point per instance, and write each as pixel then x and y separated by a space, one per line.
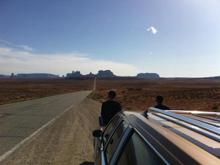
pixel 111 94
pixel 159 99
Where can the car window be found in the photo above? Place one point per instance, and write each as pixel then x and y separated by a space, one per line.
pixel 114 141
pixel 110 128
pixel 138 152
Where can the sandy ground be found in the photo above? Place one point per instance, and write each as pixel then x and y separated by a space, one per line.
pixel 67 141
pixel 16 90
pixel 186 94
pixel 134 94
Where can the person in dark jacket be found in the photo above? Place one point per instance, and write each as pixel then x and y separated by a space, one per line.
pixel 159 101
pixel 159 105
pixel 109 108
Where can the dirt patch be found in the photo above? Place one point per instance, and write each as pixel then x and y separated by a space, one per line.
pixel 14 90
pixel 67 141
pixel 138 95
pixel 134 94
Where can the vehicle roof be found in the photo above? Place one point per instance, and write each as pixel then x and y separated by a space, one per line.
pixel 200 143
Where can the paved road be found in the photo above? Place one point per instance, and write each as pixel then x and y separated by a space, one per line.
pixel 20 120
pixel 67 141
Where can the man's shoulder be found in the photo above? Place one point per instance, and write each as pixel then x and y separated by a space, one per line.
pixel 106 102
pixel 116 103
pixel 166 107
pixel 163 107
pixel 111 103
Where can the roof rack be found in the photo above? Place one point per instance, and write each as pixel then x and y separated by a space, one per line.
pixel 199 126
pixel 196 112
pixel 212 118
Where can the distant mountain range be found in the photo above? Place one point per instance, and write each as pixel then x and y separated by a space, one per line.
pixel 30 75
pixel 148 75
pixel 4 76
pixel 100 74
pixel 36 75
pixel 216 77
pixel 110 74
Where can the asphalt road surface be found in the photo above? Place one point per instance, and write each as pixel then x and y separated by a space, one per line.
pixel 65 141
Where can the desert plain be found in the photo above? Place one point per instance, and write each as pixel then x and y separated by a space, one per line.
pixel 68 140
pixel 134 94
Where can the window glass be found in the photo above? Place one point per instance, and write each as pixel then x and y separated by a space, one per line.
pixel 109 129
pixel 114 141
pixel 138 152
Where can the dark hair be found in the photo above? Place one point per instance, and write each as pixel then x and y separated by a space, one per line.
pixel 111 94
pixel 159 99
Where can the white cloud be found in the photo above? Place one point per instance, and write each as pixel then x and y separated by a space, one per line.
pixel 5 43
pixel 26 47
pixel 17 61
pixel 152 29
pixel 4 50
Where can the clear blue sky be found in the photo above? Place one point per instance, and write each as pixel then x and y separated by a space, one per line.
pixel 170 37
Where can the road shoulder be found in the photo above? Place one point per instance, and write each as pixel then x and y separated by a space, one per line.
pixel 67 141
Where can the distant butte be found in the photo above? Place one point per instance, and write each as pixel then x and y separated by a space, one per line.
pixel 110 74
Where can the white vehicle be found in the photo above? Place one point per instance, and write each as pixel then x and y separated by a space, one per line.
pixel 159 137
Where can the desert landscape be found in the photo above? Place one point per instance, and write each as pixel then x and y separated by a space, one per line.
pixel 68 140
pixel 138 95
pixel 134 94
pixel 59 60
pixel 15 90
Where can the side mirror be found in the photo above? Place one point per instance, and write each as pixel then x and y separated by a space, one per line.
pixel 97 133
